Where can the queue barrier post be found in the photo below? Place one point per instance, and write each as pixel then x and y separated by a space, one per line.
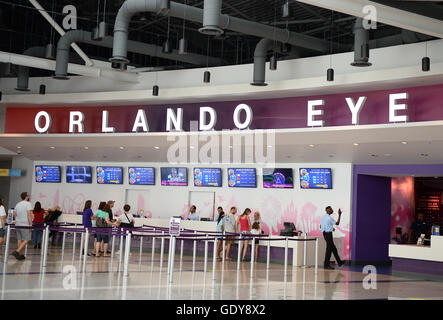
pixel 162 249
pixel 46 246
pixel 316 255
pixel 141 246
pixel 127 252
pixel 223 249
pixel 73 243
pixel 214 258
pixel 181 254
pixel 153 248
pixel 206 253
pixel 85 253
pixel 82 242
pixel 63 244
pixel 172 259
pixel 268 253
pixel 304 251
pixel 42 252
pixel 286 257
pixel 121 250
pixel 238 253
pixel 169 254
pixel 252 255
pixel 113 245
pixel 8 239
pixel 194 253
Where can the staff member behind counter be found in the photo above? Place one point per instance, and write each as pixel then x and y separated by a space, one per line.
pixel 418 227
pixel 192 214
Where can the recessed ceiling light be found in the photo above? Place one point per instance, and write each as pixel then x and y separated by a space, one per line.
pixel 121 148
pixel 192 147
pixel 230 147
pixel 311 145
pixel 86 148
pixel 52 147
pixel 156 147
pixel 404 142
pixel 356 144
pixel 18 147
pixel 269 146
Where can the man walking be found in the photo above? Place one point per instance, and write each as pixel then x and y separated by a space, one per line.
pixel 229 225
pixel 327 227
pixel 23 218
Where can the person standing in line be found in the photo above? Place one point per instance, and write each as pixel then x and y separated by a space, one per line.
pixel 23 218
pixel 87 219
pixel 39 220
pixel 219 212
pixel 256 230
pixel 3 217
pixel 220 229
pixel 327 227
pixel 229 225
pixel 103 238
pixel 245 229
pixel 111 205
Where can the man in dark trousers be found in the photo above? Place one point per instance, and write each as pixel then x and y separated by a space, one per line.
pixel 327 227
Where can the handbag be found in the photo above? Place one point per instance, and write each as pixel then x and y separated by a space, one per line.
pixel 127 225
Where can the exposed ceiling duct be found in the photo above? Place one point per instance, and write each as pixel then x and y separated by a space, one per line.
pixel 361 45
pixel 63 49
pixel 23 72
pixel 131 7
pixel 211 18
pixel 260 55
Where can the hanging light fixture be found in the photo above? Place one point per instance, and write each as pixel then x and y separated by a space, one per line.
pixel 50 51
pixel 167 45
pixel 207 77
pixel 155 90
pixel 273 62
pixel 103 27
pixel 183 44
pixel 1 94
pixel 330 71
pixel 426 61
pixel 330 75
pixel 285 10
pixel 42 89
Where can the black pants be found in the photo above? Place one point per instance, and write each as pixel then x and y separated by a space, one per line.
pixel 330 248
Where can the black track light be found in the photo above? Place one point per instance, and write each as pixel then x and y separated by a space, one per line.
pixel 42 89
pixel 207 77
pixel 155 90
pixel 426 64
pixel 330 75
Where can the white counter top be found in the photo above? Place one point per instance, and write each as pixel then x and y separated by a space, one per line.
pixel 434 252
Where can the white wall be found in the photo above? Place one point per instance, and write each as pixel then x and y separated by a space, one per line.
pixel 23 183
pixel 304 207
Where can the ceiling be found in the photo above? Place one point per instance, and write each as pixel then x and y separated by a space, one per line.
pixel 376 144
pixel 22 27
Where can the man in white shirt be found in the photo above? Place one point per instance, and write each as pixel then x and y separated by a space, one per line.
pixel 193 214
pixel 327 227
pixel 23 218
pixel 2 222
pixel 229 225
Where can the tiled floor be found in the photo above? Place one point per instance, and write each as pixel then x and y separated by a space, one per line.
pixel 26 280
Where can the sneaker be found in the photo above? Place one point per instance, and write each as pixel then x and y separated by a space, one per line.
pixel 15 254
pixel 341 264
pixel 39 246
pixel 328 268
pixel 21 257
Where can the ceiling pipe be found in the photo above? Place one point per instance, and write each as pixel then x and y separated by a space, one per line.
pixel 60 30
pixel 211 18
pixel 361 45
pixel 133 46
pixel 46 64
pixel 131 7
pixel 23 71
pixel 260 55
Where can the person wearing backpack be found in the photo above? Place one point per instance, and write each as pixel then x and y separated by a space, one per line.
pixel 102 221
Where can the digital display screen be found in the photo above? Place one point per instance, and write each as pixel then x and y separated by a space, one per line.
pixel 320 178
pixel 174 176
pixel 78 174
pixel 109 175
pixel 242 178
pixel 141 176
pixel 207 177
pixel 277 178
pixel 48 174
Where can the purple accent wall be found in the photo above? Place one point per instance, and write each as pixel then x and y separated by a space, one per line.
pixel 417 266
pixel 371 206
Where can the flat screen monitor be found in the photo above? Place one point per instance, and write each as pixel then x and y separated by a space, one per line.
pixel 207 177
pixel 78 174
pixel 278 178
pixel 315 178
pixel 242 178
pixel 51 174
pixel 109 175
pixel 141 176
pixel 174 176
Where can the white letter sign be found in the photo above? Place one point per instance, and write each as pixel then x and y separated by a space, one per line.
pixel 355 108
pixel 105 128
pixel 393 107
pixel 312 112
pixel 140 121
pixel 76 119
pixel 175 119
pixel 247 109
pixel 47 122
pixel 213 118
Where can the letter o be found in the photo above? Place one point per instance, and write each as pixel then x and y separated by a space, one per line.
pixel 47 122
pixel 237 111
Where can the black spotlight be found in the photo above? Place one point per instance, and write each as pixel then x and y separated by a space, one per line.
pixel 273 63
pixel 330 74
pixel 42 89
pixel 155 90
pixel 207 77
pixel 425 64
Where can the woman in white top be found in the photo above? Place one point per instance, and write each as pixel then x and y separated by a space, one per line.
pixel 257 217
pixel 2 222
pixel 256 230
pixel 126 220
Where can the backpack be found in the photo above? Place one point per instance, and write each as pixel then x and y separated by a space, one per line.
pixel 52 216
pixel 101 223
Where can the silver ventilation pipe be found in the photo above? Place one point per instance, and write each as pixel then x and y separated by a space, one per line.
pixel 65 42
pixel 211 18
pixel 361 45
pixel 23 72
pixel 260 55
pixel 131 7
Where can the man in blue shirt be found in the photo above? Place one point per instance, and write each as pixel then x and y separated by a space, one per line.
pixel 327 227
pixel 193 215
